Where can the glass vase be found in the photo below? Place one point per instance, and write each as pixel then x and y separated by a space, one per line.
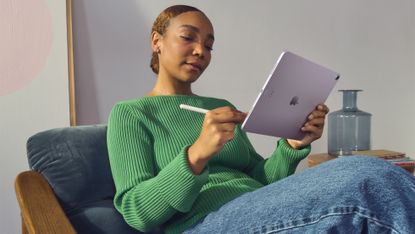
pixel 348 128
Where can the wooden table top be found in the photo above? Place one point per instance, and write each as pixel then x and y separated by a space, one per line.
pixel 315 159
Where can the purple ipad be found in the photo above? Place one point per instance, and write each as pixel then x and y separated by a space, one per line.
pixel 292 91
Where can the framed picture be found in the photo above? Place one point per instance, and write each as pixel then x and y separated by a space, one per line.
pixel 36 49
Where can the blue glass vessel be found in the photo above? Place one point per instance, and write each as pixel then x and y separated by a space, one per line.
pixel 348 128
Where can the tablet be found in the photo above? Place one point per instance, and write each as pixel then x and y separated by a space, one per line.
pixel 292 91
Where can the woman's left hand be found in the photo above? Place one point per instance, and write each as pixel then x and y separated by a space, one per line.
pixel 313 127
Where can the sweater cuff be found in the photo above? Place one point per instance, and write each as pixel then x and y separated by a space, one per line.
pixel 178 185
pixel 291 153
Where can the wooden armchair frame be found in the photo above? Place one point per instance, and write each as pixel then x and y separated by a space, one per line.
pixel 39 207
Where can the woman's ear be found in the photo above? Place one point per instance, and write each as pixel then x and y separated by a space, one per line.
pixel 156 41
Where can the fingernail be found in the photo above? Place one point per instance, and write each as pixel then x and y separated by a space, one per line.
pixel 310 116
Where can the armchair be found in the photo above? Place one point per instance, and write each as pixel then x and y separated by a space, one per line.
pixel 69 188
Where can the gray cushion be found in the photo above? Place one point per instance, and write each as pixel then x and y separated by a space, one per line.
pixel 75 163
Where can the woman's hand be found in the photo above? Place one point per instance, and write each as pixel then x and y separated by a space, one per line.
pixel 313 127
pixel 218 128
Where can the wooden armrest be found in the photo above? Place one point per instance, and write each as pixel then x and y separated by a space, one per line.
pixel 40 209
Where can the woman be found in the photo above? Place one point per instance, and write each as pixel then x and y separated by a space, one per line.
pixel 188 172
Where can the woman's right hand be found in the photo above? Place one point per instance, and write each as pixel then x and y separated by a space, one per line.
pixel 218 128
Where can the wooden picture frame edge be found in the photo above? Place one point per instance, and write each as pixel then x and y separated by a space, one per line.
pixel 72 104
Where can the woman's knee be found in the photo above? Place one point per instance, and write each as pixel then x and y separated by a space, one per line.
pixel 364 169
pixel 361 164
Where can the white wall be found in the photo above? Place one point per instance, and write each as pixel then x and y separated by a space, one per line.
pixel 369 42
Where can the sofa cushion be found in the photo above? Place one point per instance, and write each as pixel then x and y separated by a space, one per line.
pixel 75 163
pixel 100 217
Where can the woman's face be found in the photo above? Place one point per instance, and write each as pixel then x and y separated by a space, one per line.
pixel 185 48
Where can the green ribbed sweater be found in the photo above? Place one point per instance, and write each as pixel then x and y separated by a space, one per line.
pixel 147 144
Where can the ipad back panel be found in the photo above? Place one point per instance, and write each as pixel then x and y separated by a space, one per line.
pixel 292 91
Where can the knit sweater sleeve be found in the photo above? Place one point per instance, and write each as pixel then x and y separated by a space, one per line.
pixel 282 162
pixel 145 198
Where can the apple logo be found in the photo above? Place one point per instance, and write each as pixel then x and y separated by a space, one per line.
pixel 294 101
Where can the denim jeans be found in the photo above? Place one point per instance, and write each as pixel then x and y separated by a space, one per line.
pixel 353 194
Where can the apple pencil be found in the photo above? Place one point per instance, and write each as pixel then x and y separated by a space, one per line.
pixel 192 108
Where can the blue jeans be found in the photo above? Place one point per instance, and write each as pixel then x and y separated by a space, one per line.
pixel 347 195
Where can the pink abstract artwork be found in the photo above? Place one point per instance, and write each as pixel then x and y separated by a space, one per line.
pixel 25 42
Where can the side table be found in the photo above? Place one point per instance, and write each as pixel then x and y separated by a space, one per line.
pixel 315 159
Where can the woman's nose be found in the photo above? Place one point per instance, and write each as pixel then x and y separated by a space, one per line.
pixel 199 50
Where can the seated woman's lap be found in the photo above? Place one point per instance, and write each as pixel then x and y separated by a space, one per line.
pixel 341 195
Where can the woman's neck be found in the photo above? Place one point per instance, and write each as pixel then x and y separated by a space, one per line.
pixel 170 87
pixel 161 93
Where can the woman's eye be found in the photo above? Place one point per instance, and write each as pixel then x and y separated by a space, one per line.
pixel 209 48
pixel 187 38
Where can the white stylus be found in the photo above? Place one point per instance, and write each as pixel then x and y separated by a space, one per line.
pixel 192 108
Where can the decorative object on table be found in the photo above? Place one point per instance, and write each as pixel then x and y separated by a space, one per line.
pixel 381 153
pixel 406 163
pixel 397 158
pixel 348 128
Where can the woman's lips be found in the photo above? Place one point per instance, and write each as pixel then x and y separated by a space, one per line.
pixel 194 66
